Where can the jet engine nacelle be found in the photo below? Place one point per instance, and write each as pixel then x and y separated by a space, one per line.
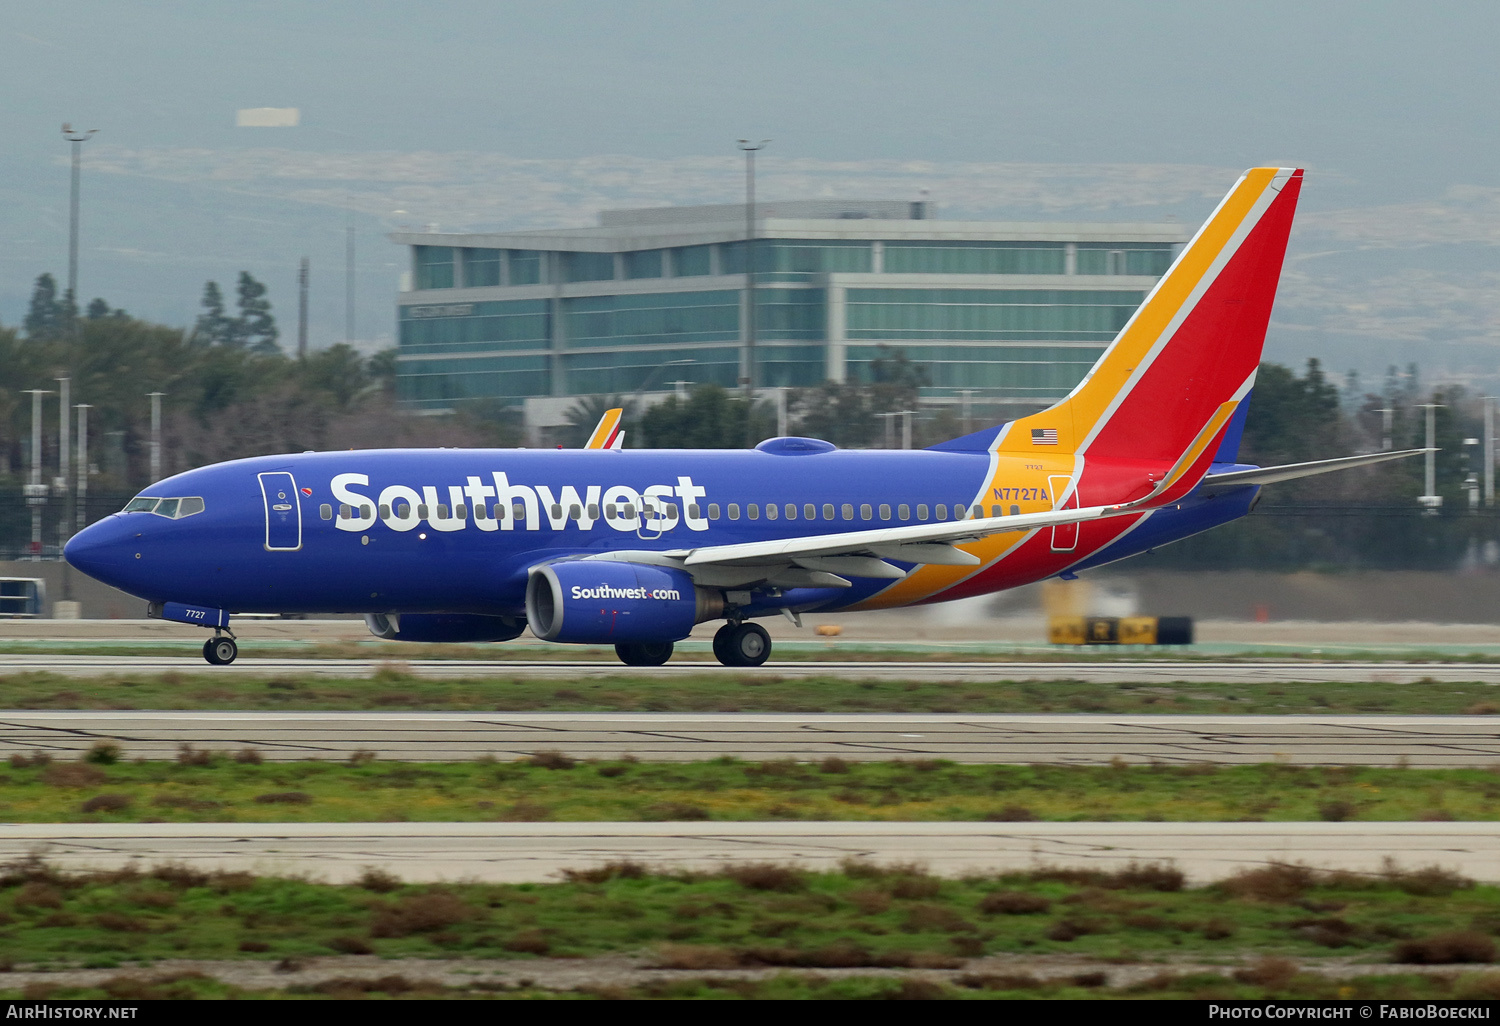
pixel 601 602
pixel 443 627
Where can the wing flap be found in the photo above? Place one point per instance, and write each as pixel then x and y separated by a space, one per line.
pixel 919 543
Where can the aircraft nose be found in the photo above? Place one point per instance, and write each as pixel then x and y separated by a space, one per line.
pixel 98 548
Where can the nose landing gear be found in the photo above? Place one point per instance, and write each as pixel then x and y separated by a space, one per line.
pixel 220 650
pixel 742 644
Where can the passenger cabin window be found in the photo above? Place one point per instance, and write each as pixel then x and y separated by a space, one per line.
pixel 574 512
pixel 459 512
pixel 385 511
pixel 848 511
pixel 865 513
pixel 903 511
pixel 921 511
pixel 1015 511
pixel 518 511
pixel 713 511
pixel 325 511
pixel 942 510
pixel 593 512
pixel 828 510
pixel 978 512
pixel 734 511
pixel 753 511
pixel 809 511
pixel 403 511
pixel 771 511
pixel 345 512
pixel 885 511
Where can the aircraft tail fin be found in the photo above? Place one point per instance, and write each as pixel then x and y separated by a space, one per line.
pixel 1170 385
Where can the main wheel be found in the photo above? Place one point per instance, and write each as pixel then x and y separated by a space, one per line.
pixel 208 652
pixel 721 644
pixel 644 653
pixel 224 651
pixel 747 644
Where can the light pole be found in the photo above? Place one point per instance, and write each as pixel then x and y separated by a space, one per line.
pixel 77 139
pixel 155 435
pixel 60 486
pixel 749 379
pixel 35 491
pixel 1489 450
pixel 1429 496
pixel 80 513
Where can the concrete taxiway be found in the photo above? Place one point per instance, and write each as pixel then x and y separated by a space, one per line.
pixel 1080 739
pixel 519 852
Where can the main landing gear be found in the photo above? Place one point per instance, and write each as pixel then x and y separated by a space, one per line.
pixel 742 644
pixel 644 653
pixel 220 650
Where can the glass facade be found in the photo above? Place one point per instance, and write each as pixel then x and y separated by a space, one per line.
pixel 671 317
pixel 692 261
pixel 481 268
pixel 975 258
pixel 437 383
pixel 1103 258
pixel 991 315
pixel 469 327
pixel 645 263
pixel 1016 342
pixel 588 266
pixel 525 267
pixel 1014 371
pixel 805 257
pixel 434 266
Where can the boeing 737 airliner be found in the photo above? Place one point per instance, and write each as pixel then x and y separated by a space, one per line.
pixel 634 547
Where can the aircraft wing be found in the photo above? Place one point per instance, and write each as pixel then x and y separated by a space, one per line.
pixel 825 560
pixel 607 434
pixel 1292 471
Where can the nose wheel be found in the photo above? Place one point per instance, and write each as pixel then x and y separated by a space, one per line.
pixel 220 651
pixel 742 644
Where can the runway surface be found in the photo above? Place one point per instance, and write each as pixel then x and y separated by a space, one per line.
pixel 519 852
pixel 1082 739
pixel 1148 671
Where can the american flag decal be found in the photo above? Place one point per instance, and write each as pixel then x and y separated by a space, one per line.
pixel 1044 436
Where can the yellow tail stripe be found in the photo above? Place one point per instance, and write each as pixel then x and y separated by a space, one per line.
pixel 604 429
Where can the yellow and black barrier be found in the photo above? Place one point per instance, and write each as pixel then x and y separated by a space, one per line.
pixel 1120 630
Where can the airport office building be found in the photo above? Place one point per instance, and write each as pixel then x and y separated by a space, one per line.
pixel 995 312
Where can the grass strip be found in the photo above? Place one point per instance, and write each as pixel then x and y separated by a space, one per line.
pixel 208 787
pixel 394 687
pixel 1272 978
pixel 753 916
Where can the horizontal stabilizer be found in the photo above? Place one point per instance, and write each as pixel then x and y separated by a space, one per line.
pixel 1292 471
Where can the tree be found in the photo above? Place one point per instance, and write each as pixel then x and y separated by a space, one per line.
pixel 213 328
pixel 709 418
pixel 1291 419
pixel 256 328
pixel 46 316
pixel 338 371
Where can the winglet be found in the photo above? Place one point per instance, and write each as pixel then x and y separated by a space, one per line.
pixel 608 434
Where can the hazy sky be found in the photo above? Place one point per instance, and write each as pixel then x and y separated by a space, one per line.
pixel 500 115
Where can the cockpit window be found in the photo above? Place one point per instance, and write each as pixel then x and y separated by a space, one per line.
pixel 172 509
